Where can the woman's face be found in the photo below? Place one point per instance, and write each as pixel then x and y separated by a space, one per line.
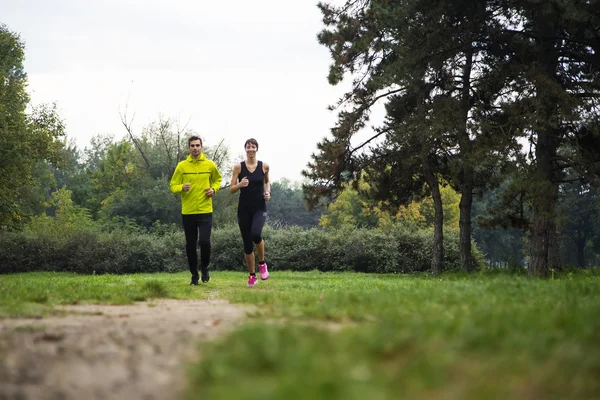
pixel 251 149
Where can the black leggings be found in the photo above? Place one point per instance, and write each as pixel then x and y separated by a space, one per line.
pixel 251 224
pixel 197 228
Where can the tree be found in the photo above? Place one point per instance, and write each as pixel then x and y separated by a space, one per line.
pixel 348 211
pixel 48 178
pixel 73 173
pixel 500 237
pixel 450 204
pixel 482 75
pixel 287 206
pixel 553 48
pixel 25 138
pixel 116 170
pixel 145 201
pixel 128 179
pixel 421 64
pixel 578 210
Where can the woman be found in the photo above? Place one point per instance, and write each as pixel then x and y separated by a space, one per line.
pixel 251 178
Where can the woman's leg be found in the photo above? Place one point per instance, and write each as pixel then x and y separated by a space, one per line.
pixel 258 222
pixel 260 251
pixel 245 224
pixel 250 263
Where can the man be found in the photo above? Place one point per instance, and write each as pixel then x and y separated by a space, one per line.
pixel 196 179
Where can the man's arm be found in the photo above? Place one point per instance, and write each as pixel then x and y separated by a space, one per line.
pixel 176 185
pixel 216 179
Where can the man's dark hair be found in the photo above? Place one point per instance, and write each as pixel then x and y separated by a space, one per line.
pixel 192 138
pixel 253 141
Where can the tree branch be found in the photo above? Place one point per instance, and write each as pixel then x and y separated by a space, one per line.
pixel 127 124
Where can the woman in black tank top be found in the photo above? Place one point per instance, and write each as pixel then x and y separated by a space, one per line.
pixel 251 178
pixel 252 196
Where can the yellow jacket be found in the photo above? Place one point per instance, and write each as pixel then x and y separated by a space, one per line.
pixel 202 174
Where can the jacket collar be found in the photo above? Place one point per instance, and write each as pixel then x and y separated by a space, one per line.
pixel 201 158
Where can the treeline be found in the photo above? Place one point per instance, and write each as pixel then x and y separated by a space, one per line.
pixel 118 183
pixel 430 195
pixel 496 98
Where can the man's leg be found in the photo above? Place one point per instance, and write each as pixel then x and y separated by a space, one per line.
pixel 205 227
pixel 191 236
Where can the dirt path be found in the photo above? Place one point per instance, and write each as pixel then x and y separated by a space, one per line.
pixel 109 352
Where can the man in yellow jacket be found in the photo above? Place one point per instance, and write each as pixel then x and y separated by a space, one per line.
pixel 196 179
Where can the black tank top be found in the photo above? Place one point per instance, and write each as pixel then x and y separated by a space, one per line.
pixel 252 196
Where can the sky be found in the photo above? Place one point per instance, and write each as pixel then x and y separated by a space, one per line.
pixel 228 69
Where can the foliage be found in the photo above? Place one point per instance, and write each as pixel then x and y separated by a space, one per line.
pixel 73 242
pixel 353 208
pixel 349 210
pixel 287 206
pixel 25 137
pixel 462 83
pixel 116 171
pixel 144 202
pixel 578 218
pixel 450 202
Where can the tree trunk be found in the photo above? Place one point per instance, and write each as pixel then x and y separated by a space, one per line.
pixel 437 260
pixel 466 200
pixel 554 250
pixel 545 195
pixel 544 188
pixel 580 244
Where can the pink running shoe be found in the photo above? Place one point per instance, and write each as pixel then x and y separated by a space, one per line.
pixel 252 280
pixel 264 273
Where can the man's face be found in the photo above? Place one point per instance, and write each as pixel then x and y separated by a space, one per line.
pixel 195 148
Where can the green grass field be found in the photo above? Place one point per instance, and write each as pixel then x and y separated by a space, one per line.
pixel 356 336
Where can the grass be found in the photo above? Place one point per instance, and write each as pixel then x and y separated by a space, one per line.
pixel 35 294
pixel 351 336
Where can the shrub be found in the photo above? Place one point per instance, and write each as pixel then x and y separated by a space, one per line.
pixel 90 250
pixel 48 246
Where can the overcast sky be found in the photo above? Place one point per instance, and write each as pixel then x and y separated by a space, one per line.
pixel 235 69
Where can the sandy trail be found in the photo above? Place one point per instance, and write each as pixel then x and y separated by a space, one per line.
pixel 110 352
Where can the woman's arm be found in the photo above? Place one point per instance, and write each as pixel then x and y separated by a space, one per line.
pixel 267 183
pixel 234 186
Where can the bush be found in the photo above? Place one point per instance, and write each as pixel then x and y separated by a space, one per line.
pixel 226 249
pixel 47 246
pixel 90 250
pixel 362 250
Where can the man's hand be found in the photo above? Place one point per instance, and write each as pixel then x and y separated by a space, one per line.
pixel 186 187
pixel 210 192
